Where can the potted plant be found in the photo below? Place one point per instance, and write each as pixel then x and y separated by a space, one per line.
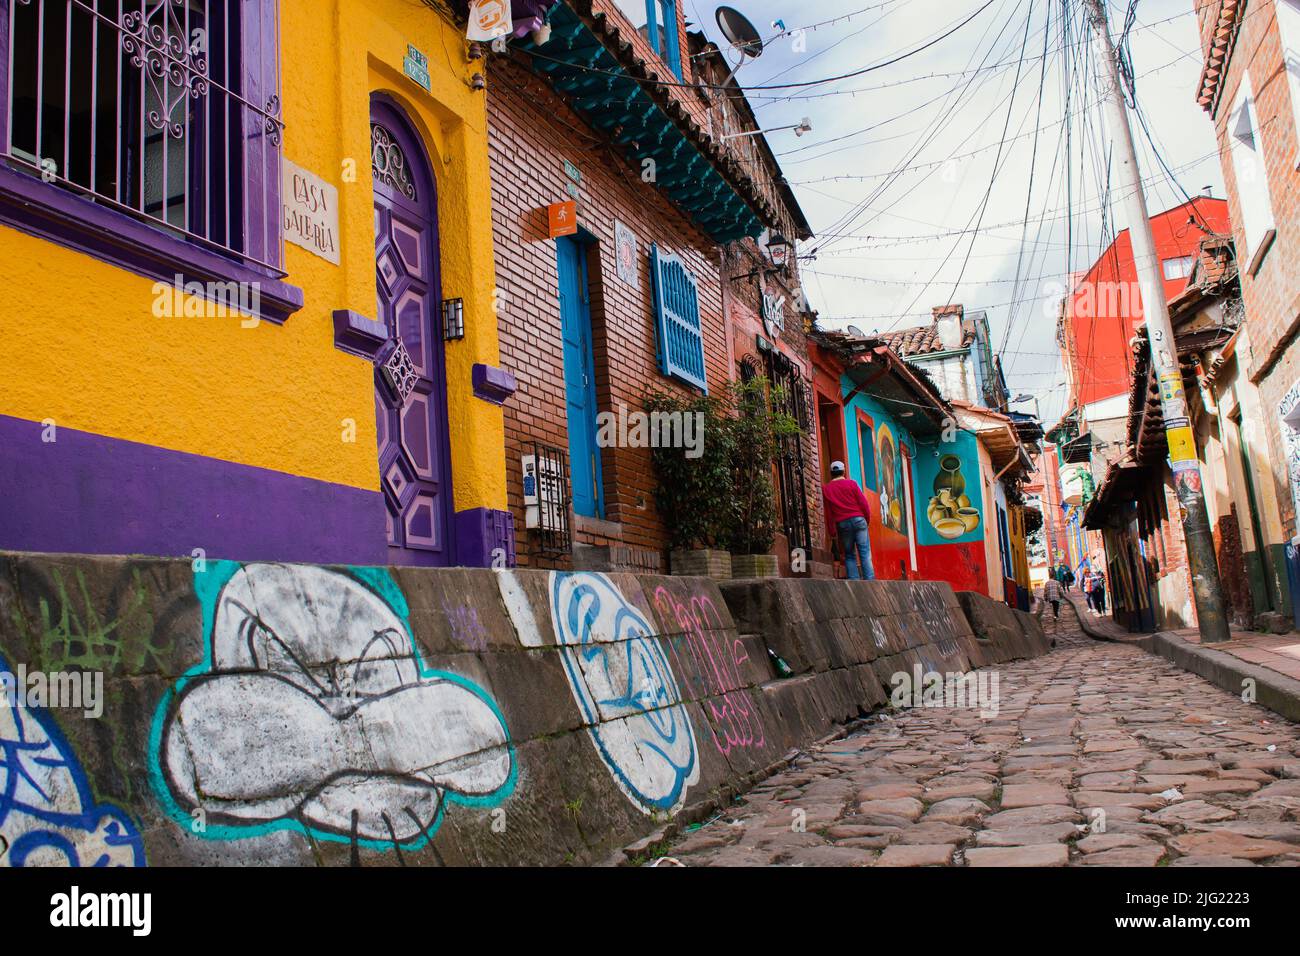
pixel 757 433
pixel 693 491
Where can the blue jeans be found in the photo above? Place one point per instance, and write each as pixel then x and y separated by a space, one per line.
pixel 856 545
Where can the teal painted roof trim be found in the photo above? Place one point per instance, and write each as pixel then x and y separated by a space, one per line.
pixel 619 107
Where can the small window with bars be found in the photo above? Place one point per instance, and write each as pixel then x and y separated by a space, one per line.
pixel 165 110
pixel 677 316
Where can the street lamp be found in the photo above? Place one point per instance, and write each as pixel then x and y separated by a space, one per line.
pixel 779 248
pixel 1022 398
pixel 803 126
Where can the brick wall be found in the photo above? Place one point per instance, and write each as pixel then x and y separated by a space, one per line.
pixel 744 308
pixel 532 133
pixel 1272 294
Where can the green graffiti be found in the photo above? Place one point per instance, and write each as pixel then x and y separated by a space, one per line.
pixel 71 633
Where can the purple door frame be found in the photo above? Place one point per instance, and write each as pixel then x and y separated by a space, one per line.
pixel 414 444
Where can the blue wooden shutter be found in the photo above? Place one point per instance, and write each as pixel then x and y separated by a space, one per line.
pixel 677 315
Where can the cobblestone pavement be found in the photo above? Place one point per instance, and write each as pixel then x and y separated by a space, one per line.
pixel 1100 755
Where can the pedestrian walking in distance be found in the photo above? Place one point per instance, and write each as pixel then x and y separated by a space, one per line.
pixel 1052 595
pixel 848 516
pixel 1098 593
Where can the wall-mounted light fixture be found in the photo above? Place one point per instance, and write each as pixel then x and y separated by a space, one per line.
pixel 779 248
pixel 453 319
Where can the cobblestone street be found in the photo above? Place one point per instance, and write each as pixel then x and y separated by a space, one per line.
pixel 1100 754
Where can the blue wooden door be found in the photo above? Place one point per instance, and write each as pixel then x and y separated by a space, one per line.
pixel 579 378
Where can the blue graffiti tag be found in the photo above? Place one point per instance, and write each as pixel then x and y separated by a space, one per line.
pixel 314 712
pixel 625 688
pixel 48 812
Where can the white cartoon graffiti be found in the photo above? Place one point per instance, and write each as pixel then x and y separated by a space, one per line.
pixel 315 711
pixel 625 688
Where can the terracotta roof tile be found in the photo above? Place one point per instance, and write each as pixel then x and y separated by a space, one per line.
pixel 925 338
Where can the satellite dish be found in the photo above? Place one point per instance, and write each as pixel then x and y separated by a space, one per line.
pixel 739 31
pixel 854 330
pixel 742 36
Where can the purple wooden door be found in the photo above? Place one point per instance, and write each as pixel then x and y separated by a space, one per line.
pixel 410 381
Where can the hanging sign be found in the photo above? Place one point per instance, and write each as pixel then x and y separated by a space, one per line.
pixel 416 66
pixel 310 211
pixel 625 254
pixel 489 19
pixel 562 218
pixel 774 314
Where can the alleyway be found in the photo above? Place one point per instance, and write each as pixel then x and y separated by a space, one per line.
pixel 1101 754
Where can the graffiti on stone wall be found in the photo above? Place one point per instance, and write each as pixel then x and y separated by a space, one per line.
pixel 1289 411
pixel 107 625
pixel 626 691
pixel 313 711
pixel 711 657
pixel 48 813
pixel 466 628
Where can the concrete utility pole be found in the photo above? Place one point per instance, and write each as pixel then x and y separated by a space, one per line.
pixel 1164 352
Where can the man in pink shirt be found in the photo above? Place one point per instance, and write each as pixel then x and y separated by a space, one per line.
pixel 847 514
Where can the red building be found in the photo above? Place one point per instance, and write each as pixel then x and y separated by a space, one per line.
pixel 1104 307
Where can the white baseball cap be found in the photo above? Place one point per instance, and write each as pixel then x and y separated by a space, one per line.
pixel 837 466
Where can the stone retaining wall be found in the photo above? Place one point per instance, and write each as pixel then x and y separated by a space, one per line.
pixel 297 714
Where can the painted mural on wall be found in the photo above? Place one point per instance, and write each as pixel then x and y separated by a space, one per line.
pixel 313 711
pixel 950 472
pixel 889 467
pixel 1289 411
pixel 48 813
pixel 626 691
pixel 949 511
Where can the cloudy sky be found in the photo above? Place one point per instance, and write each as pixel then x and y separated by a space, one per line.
pixel 897 177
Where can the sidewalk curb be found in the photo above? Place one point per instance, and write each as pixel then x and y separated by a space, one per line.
pixel 1276 692
pixel 1089 627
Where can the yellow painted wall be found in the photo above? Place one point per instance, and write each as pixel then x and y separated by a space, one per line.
pixel 80 343
pixel 992 551
pixel 1019 547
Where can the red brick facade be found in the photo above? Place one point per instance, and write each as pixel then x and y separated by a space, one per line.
pixel 1248 37
pixel 532 133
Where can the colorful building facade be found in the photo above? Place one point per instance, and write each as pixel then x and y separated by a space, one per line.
pixel 1250 91
pixel 935 472
pixel 248 313
pixel 676 272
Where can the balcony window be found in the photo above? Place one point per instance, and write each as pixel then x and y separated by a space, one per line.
pixel 1247 151
pixel 1178 268
pixel 656 20
pixel 1288 27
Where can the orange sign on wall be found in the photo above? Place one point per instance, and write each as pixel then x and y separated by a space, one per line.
pixel 562 218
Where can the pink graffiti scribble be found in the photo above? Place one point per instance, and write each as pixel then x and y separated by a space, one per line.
pixel 713 668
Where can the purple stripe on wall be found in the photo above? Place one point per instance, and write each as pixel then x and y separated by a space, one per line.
pixel 87 493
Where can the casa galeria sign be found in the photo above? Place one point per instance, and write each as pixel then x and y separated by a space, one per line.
pixel 311 211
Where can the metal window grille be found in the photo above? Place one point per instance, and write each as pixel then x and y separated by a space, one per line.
pixel 792 487
pixel 164 109
pixel 551 535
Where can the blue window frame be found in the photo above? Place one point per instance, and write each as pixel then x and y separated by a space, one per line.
pixel 677 317
pixel 656 20
pixel 867 453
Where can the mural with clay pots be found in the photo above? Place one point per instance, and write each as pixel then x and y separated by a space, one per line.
pixel 950 511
